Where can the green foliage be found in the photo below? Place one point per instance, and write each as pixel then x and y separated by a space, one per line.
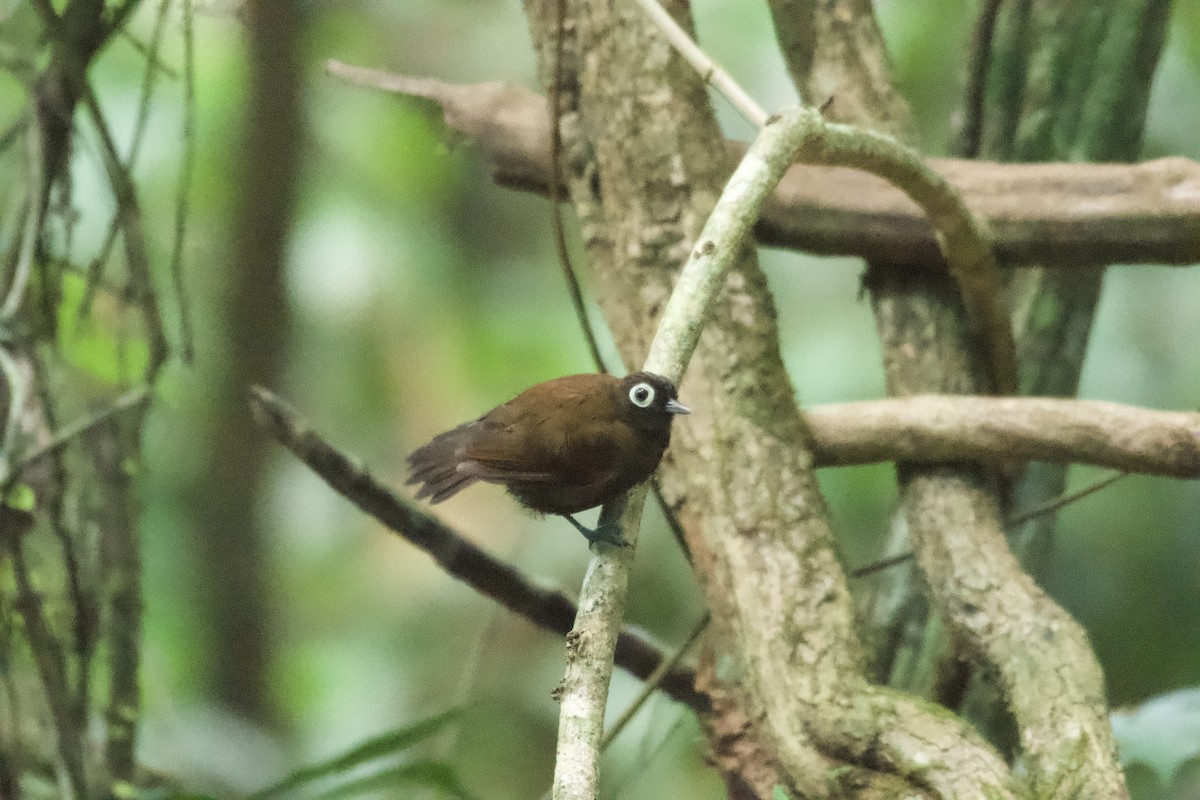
pixel 85 343
pixel 430 774
pixel 21 497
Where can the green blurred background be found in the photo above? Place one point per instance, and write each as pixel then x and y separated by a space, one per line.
pixel 421 295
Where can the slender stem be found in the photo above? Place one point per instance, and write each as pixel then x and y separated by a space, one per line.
pixel 651 683
pixel 182 199
pixel 556 147
pixel 1049 507
pixel 34 212
pixel 130 214
pixel 133 399
pixel 970 135
pixel 709 70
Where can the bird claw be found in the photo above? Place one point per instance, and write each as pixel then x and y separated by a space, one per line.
pixel 609 533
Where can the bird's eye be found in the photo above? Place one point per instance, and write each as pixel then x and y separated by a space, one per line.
pixel 642 395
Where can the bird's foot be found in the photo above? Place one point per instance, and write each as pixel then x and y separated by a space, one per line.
pixel 608 533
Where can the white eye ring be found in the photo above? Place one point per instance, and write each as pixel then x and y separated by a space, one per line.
pixel 642 395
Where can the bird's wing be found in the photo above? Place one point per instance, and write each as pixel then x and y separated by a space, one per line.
pixel 499 452
pixel 501 473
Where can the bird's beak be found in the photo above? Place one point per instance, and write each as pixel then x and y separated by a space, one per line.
pixel 676 407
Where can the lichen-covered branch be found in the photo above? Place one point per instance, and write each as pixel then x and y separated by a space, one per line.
pixel 1044 662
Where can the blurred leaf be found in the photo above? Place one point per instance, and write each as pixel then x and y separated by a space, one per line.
pixel 21 497
pixel 386 744
pixel 1163 733
pixel 779 793
pixel 88 346
pixel 428 774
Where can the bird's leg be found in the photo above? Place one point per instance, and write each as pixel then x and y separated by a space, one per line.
pixel 609 533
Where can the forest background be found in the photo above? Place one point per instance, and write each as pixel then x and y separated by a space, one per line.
pixel 416 295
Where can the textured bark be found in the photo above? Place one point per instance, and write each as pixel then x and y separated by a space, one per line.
pixel 921 317
pixel 1068 82
pixel 1041 657
pixel 996 430
pixel 642 177
pixel 953 519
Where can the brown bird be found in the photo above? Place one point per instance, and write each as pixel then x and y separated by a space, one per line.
pixel 559 447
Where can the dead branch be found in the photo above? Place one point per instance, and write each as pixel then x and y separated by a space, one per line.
pixel 1072 215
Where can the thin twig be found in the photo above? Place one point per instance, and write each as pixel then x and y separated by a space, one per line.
pixel 130 214
pixel 651 683
pixel 122 13
pixel 183 198
pixel 710 71
pixel 95 273
pixel 971 132
pixel 560 237
pixel 34 211
pixel 148 81
pixel 156 63
pixel 1058 503
pixel 18 401
pixel 671 517
pixel 129 401
pixel 48 656
pixel 1048 507
pixel 882 564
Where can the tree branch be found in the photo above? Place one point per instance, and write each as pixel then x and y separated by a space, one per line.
pixel 941 428
pixel 1072 215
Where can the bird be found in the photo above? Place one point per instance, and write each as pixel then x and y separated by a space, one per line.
pixel 560 447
